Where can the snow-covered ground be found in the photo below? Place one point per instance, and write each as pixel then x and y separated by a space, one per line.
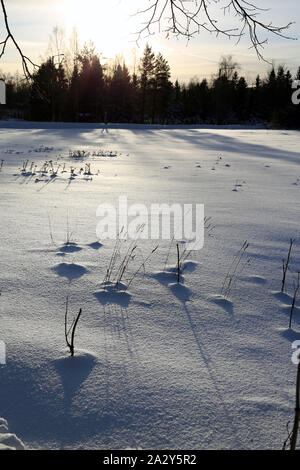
pixel 8 441
pixel 160 365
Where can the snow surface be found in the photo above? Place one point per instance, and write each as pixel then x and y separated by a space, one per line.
pixel 159 365
pixel 8 441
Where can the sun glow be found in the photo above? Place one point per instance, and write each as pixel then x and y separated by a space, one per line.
pixel 107 23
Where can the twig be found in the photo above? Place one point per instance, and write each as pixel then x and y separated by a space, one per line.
pixel 294 299
pixel 178 264
pixel 25 60
pixel 142 265
pixel 188 22
pixel 72 328
pixel 285 265
pixel 233 269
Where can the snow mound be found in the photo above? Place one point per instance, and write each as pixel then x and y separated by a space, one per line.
pixel 9 441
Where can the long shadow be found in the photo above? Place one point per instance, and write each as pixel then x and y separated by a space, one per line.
pixel 73 371
pixel 181 292
pixel 46 416
pixel 203 137
pixel 212 374
pixel 227 143
pixel 117 320
pixel 46 184
pixel 220 143
pixel 70 180
pixel 116 324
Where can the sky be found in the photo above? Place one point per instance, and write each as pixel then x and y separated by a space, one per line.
pixel 111 25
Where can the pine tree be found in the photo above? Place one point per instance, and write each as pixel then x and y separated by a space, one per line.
pixel 242 99
pixel 48 92
pixel 147 71
pixel 91 85
pixel 74 94
pixel 176 108
pixel 162 88
pixel 120 94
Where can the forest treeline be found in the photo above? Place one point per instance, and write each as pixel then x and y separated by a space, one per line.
pixel 94 93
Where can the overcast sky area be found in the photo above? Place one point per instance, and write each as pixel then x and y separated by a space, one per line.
pixel 111 26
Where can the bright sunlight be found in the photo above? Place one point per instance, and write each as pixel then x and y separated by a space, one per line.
pixel 108 24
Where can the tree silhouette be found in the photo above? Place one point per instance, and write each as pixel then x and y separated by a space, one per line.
pixel 49 86
pixel 149 96
pixel 26 61
pixel 162 88
pixel 91 83
pixel 188 21
pixel 147 74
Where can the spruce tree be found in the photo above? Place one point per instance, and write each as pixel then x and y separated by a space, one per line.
pixel 147 73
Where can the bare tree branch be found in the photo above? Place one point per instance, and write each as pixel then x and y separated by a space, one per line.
pixel 26 62
pixel 183 21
